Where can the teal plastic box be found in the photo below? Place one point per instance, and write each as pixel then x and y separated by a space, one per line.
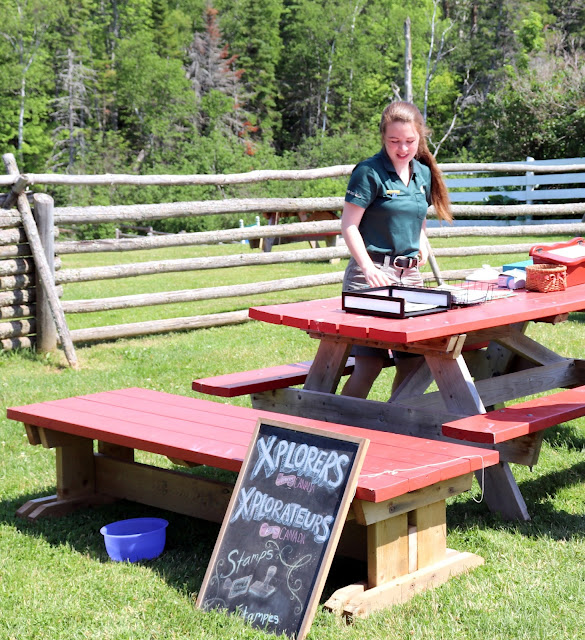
pixel 517 265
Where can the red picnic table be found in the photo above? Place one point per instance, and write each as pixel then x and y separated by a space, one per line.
pixel 468 378
pixel 397 520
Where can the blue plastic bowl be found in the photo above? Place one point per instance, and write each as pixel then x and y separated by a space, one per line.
pixel 135 539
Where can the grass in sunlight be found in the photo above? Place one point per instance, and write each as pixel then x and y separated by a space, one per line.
pixel 56 581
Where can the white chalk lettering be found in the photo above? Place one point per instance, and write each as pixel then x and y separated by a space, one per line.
pixel 256 505
pixel 258 617
pixel 264 459
pixel 240 559
pixel 323 468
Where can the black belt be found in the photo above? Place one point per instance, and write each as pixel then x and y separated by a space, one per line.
pixel 402 262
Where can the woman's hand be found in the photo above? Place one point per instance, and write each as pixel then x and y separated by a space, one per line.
pixel 350 221
pixel 375 277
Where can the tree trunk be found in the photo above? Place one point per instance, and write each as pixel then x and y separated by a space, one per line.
pixel 407 61
pixel 21 116
pixel 326 101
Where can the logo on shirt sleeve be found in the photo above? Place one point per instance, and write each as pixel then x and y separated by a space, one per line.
pixel 355 194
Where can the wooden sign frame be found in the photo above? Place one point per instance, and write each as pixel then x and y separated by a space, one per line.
pixel 284 549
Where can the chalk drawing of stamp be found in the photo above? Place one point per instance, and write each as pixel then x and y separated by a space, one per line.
pixel 260 588
pixel 263 588
pixel 237 587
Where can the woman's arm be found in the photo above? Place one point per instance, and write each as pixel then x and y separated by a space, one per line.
pixel 350 221
pixel 423 246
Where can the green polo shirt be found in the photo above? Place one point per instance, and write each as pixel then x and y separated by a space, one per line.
pixel 394 213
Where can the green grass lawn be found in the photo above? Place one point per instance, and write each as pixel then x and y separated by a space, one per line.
pixel 57 582
pixel 228 276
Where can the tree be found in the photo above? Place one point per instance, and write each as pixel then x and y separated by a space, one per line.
pixel 25 26
pixel 315 72
pixel 72 110
pixel 215 81
pixel 165 32
pixel 154 98
pixel 537 112
pixel 570 16
pixel 252 27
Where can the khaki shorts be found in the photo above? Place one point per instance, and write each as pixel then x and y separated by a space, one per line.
pixel 354 279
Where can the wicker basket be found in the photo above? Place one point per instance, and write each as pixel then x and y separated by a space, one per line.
pixel 546 277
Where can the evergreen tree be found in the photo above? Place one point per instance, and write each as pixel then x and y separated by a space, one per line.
pixel 252 27
pixel 215 81
pixel 165 34
pixel 72 111
pixel 25 28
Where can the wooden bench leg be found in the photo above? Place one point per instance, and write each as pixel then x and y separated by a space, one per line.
pixel 75 477
pixel 523 450
pixel 501 492
pixel 407 553
pixel 387 550
pixel 431 534
pixel 116 451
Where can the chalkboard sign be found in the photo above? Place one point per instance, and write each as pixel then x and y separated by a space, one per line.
pixel 282 526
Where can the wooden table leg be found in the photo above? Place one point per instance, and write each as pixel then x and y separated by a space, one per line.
pixel 460 395
pixel 501 492
pixel 327 367
pixel 75 476
pixel 406 551
pixel 455 385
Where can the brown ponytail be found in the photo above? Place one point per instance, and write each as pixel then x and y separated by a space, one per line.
pixel 408 112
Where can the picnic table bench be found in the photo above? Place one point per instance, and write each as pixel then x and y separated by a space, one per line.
pixel 397 521
pixel 242 383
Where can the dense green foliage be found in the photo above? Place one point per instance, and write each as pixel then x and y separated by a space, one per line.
pixel 181 86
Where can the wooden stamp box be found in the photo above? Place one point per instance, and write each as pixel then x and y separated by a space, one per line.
pixel 570 253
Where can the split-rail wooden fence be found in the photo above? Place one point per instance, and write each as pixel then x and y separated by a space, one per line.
pixel 32 280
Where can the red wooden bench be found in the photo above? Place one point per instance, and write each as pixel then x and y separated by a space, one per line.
pixel 520 419
pixel 281 376
pixel 516 432
pixel 258 380
pixel 397 521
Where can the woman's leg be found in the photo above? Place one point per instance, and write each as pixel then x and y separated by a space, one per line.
pixel 366 370
pixel 370 361
pixel 404 366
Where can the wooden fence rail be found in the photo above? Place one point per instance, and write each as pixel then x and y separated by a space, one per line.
pixel 23 320
pixel 291 230
pixel 143 212
pixel 250 177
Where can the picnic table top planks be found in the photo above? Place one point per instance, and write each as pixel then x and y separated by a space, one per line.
pixel 216 434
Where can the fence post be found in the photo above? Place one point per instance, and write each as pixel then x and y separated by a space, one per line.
pixel 529 187
pixel 46 328
pixel 43 276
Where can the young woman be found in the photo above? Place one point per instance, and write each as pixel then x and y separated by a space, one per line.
pixel 383 224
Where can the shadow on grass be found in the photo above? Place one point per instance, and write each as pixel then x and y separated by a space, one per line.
pixel 564 435
pixel 545 519
pixel 30 354
pixel 188 548
pixel 577 316
pixel 190 541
